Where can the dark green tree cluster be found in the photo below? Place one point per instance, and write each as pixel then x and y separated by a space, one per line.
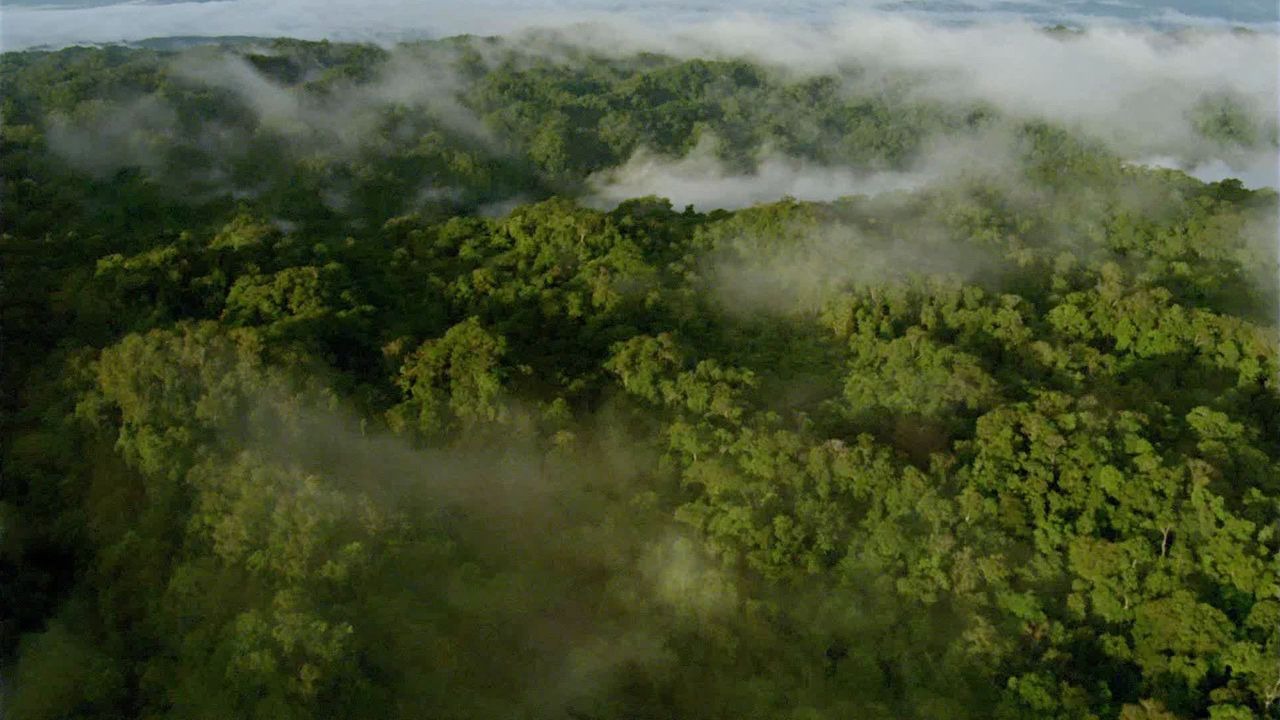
pixel 281 439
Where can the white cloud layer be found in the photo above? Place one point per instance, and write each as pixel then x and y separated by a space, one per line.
pixel 1254 172
pixel 700 179
pixel 28 23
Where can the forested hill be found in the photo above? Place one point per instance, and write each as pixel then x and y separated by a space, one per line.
pixel 343 382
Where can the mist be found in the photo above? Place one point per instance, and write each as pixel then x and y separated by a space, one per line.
pixel 106 137
pixel 800 272
pixel 702 179
pixel 1257 171
pixel 346 123
pixel 1143 93
pixel 1133 88
pixel 568 560
pixel 346 118
pixel 60 22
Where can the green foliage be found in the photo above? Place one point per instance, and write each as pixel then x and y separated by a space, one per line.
pixel 63 675
pixel 456 377
pixel 298 423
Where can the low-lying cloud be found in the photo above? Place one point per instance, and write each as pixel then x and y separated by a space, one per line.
pixel 700 179
pixel 1256 171
pixel 103 138
pixel 1136 89
pixel 1145 94
pixel 703 180
pixel 348 117
pixel 31 23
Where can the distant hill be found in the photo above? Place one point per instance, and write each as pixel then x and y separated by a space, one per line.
pixel 181 42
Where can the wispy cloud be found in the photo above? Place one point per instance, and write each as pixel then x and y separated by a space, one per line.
pixel 1256 171
pixel 702 180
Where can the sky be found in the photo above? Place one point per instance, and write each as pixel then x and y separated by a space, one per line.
pixel 34 23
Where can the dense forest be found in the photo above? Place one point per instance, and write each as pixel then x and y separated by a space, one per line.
pixel 335 386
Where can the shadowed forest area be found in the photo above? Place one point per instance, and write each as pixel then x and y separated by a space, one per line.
pixel 343 381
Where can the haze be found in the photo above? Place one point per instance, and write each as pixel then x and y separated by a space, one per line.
pixel 28 23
